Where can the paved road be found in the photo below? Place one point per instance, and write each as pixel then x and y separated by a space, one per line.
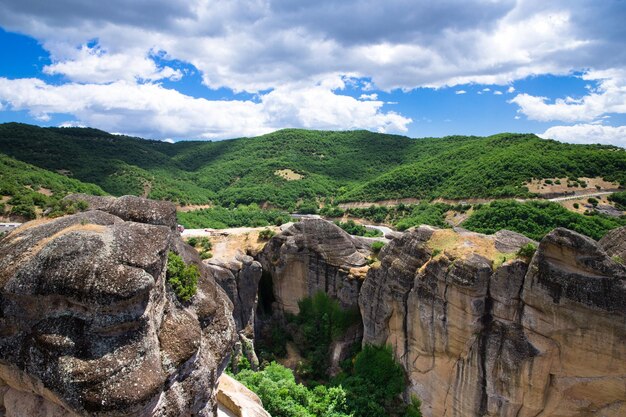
pixel 576 197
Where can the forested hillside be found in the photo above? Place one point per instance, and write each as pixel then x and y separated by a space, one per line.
pixel 300 167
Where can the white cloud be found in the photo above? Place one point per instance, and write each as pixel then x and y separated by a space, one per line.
pixel 608 97
pixel 288 47
pixel 372 96
pixel 486 89
pixel 154 111
pixel 588 133
pixel 168 140
pixel 510 90
pixel 94 65
pixel 460 92
pixel 497 92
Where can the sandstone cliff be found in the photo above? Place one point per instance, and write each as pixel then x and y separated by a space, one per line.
pixel 310 256
pixel 89 326
pixel 482 333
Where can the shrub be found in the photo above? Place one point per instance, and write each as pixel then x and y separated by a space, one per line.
pixel 593 201
pixel 193 241
pixel 576 206
pixel 618 259
pixel 283 397
pixel 205 243
pixel 206 254
pixel 266 234
pixel 377 246
pixel 358 230
pixel 527 251
pixel 182 278
pixel 320 321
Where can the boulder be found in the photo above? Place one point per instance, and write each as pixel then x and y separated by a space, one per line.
pixel 89 325
pixel 310 256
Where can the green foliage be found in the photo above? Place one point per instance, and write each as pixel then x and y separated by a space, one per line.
pixel 377 246
pixel 266 234
pixel 242 216
pixel 283 397
pixel 576 206
pixel 331 211
pixel 535 219
pixel 527 251
pixel 31 188
pixel 619 199
pixel 375 383
pixel 336 166
pixel 618 259
pixel 358 230
pixel 593 201
pixel 183 278
pixel 320 321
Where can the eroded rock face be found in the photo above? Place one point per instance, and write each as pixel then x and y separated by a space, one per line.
pixel 89 326
pixel 479 337
pixel 614 244
pixel 310 256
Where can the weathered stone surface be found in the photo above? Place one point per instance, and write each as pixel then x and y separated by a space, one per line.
pixel 310 256
pixel 614 243
pixel 235 399
pixel 89 326
pixel 131 208
pixel 240 280
pixel 522 340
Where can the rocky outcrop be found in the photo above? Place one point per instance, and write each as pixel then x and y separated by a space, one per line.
pixel 482 333
pixel 89 326
pixel 310 256
pixel 614 244
pixel 240 278
pixel 235 400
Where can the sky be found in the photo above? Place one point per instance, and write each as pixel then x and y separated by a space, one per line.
pixel 216 69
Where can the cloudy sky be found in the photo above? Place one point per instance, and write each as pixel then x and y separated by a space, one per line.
pixel 217 69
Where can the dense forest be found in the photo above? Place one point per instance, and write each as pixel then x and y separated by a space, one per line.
pixel 293 168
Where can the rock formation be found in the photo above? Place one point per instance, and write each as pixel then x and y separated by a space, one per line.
pixel 237 400
pixel 482 333
pixel 310 256
pixel 89 326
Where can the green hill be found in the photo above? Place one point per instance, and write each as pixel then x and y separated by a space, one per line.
pixel 24 188
pixel 319 165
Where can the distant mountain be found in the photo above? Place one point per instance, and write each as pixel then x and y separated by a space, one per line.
pixel 295 166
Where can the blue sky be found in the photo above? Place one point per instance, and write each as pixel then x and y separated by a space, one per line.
pixel 213 70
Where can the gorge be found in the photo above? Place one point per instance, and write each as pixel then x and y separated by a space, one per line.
pixel 90 326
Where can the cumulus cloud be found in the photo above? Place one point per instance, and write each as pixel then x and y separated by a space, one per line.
pixel 588 133
pixel 608 97
pixel 97 66
pixel 151 110
pixel 254 45
pixel 460 92
pixel 287 47
pixel 497 92
pixel 372 96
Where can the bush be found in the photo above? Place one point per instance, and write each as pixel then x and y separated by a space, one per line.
pixel 320 321
pixel 375 383
pixel 193 241
pixel 358 230
pixel 576 206
pixel 283 397
pixel 377 246
pixel 593 201
pixel 182 278
pixel 527 251
pixel 266 234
